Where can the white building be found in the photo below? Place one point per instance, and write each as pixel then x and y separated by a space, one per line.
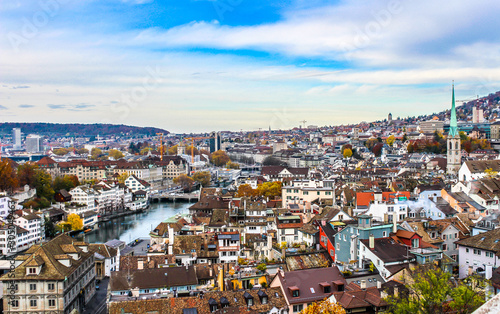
pixel 479 253
pixel 302 191
pixel 229 246
pixel 34 143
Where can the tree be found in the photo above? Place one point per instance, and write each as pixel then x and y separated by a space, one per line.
pixel 26 174
pixel 405 138
pixel 50 229
pixel 432 291
pixel 347 153
pixel 62 151
pixel 122 177
pixel 203 177
pixel 172 150
pixel 219 158
pixel 272 161
pixel 184 181
pixel 262 267
pixel 75 221
pixel 245 190
pixel 232 165
pixel 370 143
pixel 269 189
pixel 323 307
pixel 390 140
pixel 8 178
pixel 82 151
pixel 490 173
pixel 95 153
pixel 115 154
pixel 65 183
pixel 377 149
pixel 43 185
pixel 145 150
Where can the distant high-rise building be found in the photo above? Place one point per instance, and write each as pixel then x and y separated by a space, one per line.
pixel 214 142
pixel 477 115
pixel 34 143
pixel 16 138
pixel 454 153
pixel 389 117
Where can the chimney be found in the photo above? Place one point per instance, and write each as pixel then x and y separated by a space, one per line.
pixel 379 284
pixel 371 241
pixel 140 264
pixel 395 226
pixel 210 272
pixel 396 291
pixel 363 284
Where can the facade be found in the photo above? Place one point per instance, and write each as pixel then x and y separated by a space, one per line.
pixel 307 191
pixel 347 240
pixel 453 153
pixel 34 143
pixel 228 246
pixel 56 277
pixel 479 253
pixel 16 139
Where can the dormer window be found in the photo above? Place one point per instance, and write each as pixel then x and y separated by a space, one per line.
pixel 31 271
pixel 248 298
pixel 213 305
pixel 294 290
pixel 326 287
pixel 262 296
pixel 224 302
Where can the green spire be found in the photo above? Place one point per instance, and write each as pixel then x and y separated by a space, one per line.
pixel 453 117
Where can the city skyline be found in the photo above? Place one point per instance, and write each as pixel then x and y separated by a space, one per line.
pixel 229 65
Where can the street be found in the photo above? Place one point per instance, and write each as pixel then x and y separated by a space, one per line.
pixel 97 305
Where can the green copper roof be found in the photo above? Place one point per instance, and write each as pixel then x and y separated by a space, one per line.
pixel 453 117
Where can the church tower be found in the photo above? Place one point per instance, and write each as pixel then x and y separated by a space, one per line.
pixel 454 155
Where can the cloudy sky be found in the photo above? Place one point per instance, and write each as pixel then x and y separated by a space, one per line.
pixel 203 65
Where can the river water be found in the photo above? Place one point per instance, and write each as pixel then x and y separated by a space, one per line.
pixel 135 226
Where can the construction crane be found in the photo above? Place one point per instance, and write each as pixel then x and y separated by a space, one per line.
pixel 304 122
pixel 192 145
pixel 161 145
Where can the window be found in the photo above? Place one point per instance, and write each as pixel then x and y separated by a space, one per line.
pixel 32 270
pixel 445 247
pixel 52 302
pixel 467 250
pixel 338 246
pixel 384 234
pixel 32 286
pixel 14 303
pixel 295 293
pixel 33 303
pixel 298 308
pixel 51 286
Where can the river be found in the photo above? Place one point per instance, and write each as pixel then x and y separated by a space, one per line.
pixel 131 227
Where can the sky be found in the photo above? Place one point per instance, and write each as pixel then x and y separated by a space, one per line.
pixel 206 65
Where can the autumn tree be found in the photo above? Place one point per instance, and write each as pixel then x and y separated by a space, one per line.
pixel 232 165
pixel 122 177
pixel 347 153
pixel 26 174
pixel 75 221
pixel 184 181
pixel 432 290
pixel 246 190
pixel 82 151
pixel 62 151
pixel 115 154
pixel 43 185
pixel 95 153
pixel 219 158
pixel 269 189
pixel 191 148
pixel 145 150
pixel 377 149
pixel 490 173
pixel 8 178
pixel 172 150
pixel 390 140
pixel 67 183
pixel 203 177
pixel 323 307
pixel 370 143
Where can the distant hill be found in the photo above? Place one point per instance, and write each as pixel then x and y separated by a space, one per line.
pixel 77 129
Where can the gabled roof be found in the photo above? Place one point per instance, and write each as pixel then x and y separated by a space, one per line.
pixel 388 250
pixel 49 253
pixel 489 241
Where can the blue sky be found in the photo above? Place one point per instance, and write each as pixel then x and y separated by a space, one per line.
pixel 191 66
